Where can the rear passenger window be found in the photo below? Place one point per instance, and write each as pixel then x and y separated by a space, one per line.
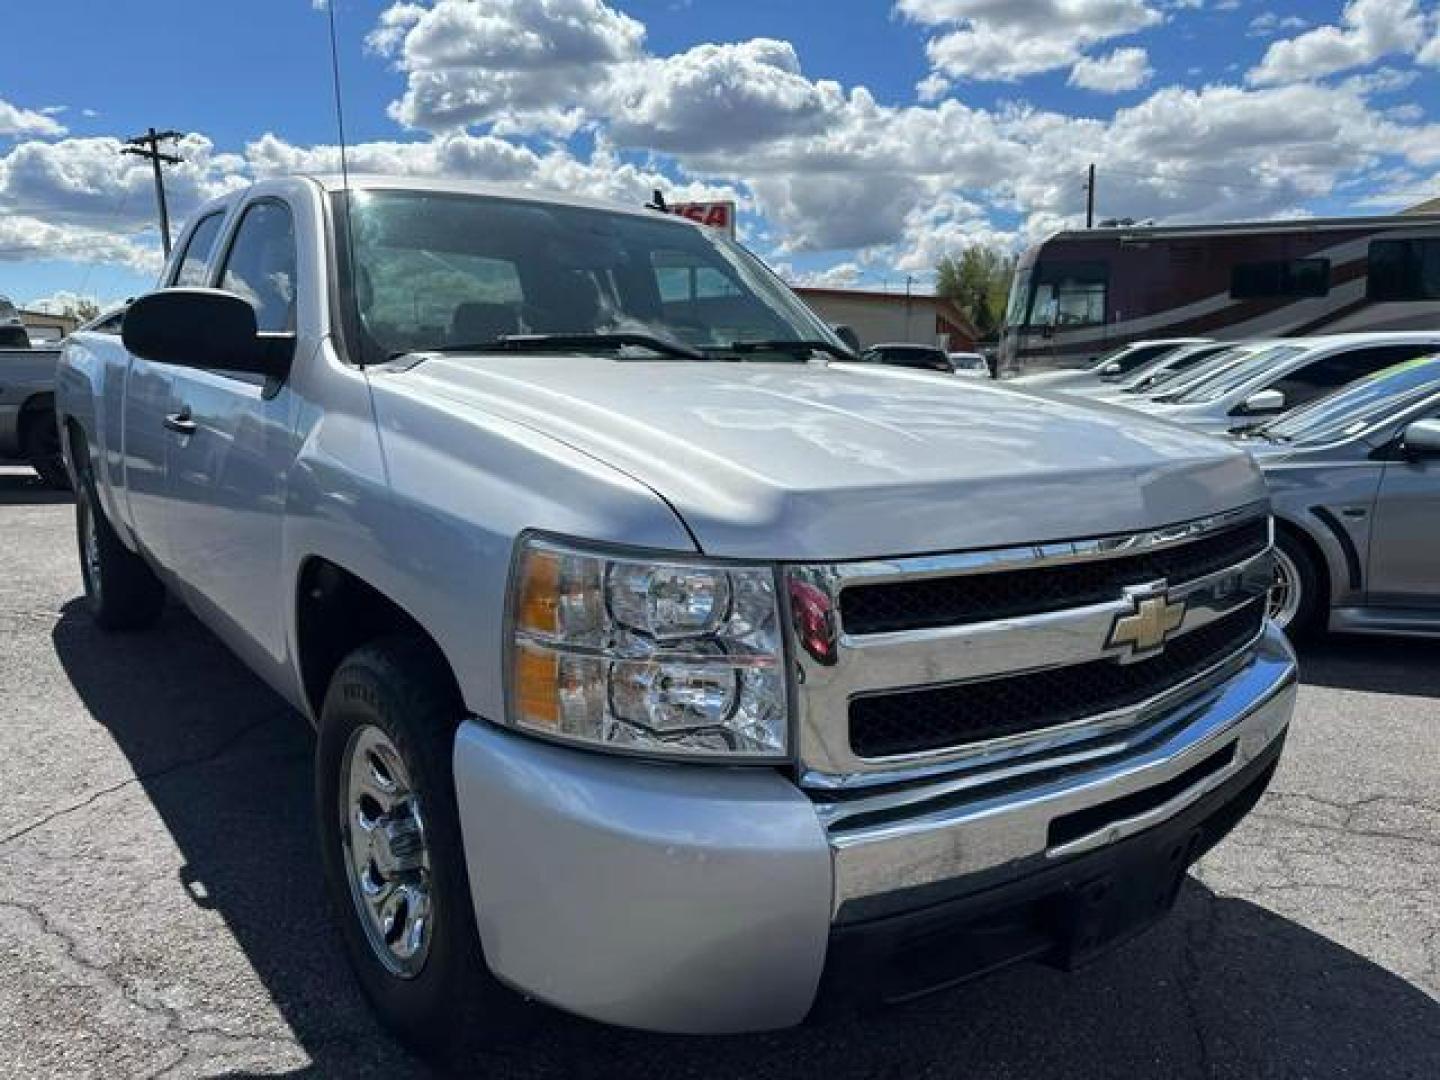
pixel 1280 277
pixel 1403 270
pixel 191 270
pixel 260 265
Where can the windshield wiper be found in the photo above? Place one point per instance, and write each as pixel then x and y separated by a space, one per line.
pixel 541 342
pixel 794 348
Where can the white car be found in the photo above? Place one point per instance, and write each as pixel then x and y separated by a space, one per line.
pixel 1284 377
pixel 1117 362
pixel 969 363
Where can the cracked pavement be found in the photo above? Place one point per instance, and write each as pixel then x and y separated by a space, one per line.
pixel 161 912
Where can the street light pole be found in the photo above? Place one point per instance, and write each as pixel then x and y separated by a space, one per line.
pixel 148 146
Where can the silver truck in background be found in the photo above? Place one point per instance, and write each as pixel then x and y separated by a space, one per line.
pixel 27 400
pixel 668 666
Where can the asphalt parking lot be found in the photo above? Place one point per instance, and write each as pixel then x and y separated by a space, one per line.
pixel 161 912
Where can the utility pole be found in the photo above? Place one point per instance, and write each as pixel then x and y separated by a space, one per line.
pixel 148 146
pixel 1090 197
pixel 909 280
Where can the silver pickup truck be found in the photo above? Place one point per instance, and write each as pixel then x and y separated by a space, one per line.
pixel 668 666
pixel 27 400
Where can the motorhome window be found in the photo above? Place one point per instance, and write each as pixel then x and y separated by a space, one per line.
pixel 1069 294
pixel 1280 277
pixel 1404 270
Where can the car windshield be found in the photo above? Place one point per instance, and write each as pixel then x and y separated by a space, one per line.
pixel 1217 384
pixel 1100 361
pixel 1168 365
pixel 439 270
pixel 1355 409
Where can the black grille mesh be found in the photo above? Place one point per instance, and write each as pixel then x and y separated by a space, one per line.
pixel 1006 594
pixel 914 721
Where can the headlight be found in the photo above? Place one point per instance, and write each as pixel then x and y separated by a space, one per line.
pixel 669 657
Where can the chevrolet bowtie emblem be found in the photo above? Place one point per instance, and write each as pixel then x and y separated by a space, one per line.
pixel 1154 619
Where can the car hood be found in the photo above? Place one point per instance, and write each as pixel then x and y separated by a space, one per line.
pixel 813 461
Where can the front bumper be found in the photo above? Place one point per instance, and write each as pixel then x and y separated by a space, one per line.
pixel 697 899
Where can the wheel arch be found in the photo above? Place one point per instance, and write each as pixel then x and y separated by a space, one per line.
pixel 1323 560
pixel 336 612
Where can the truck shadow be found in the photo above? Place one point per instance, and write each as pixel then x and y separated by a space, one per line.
pixel 20 486
pixel 1222 988
pixel 1377 665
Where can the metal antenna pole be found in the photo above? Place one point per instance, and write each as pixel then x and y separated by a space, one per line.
pixel 148 146
pixel 1090 198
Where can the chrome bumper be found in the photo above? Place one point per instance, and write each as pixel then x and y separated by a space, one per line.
pixel 885 847
pixel 697 899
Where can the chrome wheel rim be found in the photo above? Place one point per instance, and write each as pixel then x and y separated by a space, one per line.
pixel 387 861
pixel 90 551
pixel 1284 590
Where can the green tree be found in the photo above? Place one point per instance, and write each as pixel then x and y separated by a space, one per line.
pixel 978 280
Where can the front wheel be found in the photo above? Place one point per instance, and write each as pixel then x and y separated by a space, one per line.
pixel 122 592
pixel 1294 602
pixel 390 841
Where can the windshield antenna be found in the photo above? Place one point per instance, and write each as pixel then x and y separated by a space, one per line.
pixel 344 163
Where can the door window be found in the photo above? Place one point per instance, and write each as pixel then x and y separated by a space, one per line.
pixel 260 265
pixel 191 270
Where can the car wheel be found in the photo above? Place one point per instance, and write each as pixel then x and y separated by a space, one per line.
pixel 42 451
pixel 1294 600
pixel 122 592
pixel 390 841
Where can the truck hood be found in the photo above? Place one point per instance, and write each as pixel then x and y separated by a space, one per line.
pixel 819 462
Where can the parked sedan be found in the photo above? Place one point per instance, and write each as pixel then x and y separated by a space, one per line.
pixel 1355 484
pixel 1117 362
pixel 1149 376
pixel 1285 377
pixel 923 357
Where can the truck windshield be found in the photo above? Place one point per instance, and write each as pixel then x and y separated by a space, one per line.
pixel 440 270
pixel 1357 408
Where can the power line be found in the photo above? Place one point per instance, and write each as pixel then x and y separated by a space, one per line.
pixel 148 146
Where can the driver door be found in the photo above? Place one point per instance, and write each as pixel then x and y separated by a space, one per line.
pixel 231 452
pixel 1403 570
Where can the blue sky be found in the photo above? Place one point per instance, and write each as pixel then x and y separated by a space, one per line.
pixel 863 138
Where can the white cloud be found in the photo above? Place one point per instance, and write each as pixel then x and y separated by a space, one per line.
pixel 1369 30
pixel 1123 69
pixel 1270 23
pixel 29 123
pixel 715 96
pixel 519 62
pixel 1006 40
pixel 932 88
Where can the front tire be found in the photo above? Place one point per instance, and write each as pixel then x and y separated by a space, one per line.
pixel 390 841
pixel 1295 596
pixel 122 592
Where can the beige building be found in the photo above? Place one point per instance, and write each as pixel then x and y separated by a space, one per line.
pixel 887 316
pixel 50 327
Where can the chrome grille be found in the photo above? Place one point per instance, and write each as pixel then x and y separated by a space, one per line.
pixel 913 721
pixel 889 606
pixel 935 663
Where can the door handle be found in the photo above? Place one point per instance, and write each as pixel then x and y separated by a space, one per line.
pixel 180 422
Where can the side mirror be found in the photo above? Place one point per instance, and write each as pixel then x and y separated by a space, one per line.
pixel 848 336
pixel 1111 368
pixel 1264 401
pixel 1421 439
pixel 204 328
